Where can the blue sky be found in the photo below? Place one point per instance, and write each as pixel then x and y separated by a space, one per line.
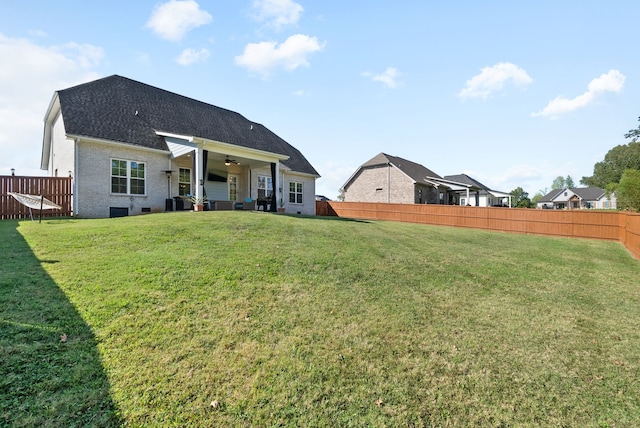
pixel 511 93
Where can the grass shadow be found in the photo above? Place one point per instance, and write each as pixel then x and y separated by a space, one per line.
pixel 323 217
pixel 50 368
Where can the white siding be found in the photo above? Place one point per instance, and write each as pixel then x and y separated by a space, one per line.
pixel 61 159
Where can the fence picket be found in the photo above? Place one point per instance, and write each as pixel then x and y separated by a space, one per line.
pixel 56 189
pixel 611 225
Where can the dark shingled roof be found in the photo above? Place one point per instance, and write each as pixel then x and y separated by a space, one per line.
pixel 120 109
pixel 587 193
pixel 414 170
pixel 465 179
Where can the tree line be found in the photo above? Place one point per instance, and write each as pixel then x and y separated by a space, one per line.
pixel 618 173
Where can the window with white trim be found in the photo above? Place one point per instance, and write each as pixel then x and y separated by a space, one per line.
pixel 184 182
pixel 128 177
pixel 295 192
pixel 265 183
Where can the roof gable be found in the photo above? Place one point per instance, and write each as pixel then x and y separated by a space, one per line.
pixel 119 109
pixel 414 170
pixel 584 193
pixel 464 178
pixel 589 193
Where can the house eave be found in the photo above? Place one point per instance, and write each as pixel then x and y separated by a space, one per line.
pixel 302 174
pixel 52 112
pixel 221 147
pixel 115 143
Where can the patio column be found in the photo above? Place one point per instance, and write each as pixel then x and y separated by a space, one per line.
pixel 198 169
pixel 275 184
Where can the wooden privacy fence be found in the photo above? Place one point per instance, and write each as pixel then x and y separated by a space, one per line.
pixel 57 189
pixel 610 225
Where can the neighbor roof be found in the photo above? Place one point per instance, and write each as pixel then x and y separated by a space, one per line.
pixel 414 170
pixel 586 193
pixel 464 178
pixel 119 109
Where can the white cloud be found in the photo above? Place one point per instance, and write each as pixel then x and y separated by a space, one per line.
pixel 613 81
pixel 300 93
pixel 519 175
pixel 84 54
pixel 264 57
pixel 27 84
pixel 493 79
pixel 389 77
pixel 190 56
pixel 173 19
pixel 334 174
pixel 277 13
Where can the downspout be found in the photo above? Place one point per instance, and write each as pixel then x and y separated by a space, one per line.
pixel 74 183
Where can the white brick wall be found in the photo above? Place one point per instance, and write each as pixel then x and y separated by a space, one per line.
pixel 93 180
pixel 308 206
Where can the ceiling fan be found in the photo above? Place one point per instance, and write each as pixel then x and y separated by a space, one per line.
pixel 228 161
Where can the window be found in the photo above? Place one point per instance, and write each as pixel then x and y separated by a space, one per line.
pixel 184 182
pixel 295 192
pixel 127 177
pixel 265 183
pixel 233 187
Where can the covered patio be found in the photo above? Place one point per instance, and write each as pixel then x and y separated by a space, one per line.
pixel 225 175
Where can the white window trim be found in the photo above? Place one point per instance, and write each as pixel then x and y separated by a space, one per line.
pixel 266 184
pixel 128 177
pixel 184 182
pixel 301 193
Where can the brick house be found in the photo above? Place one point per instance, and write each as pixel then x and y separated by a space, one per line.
pixel 133 148
pixel 577 198
pixel 391 179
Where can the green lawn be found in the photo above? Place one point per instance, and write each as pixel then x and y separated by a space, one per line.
pixel 296 321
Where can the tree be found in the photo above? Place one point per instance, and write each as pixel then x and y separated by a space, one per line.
pixel 628 190
pixel 558 183
pixel 633 133
pixel 568 182
pixel 615 162
pixel 562 183
pixel 520 198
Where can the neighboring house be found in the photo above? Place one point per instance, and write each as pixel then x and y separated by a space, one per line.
pixel 481 196
pixel 133 148
pixel 577 198
pixel 386 178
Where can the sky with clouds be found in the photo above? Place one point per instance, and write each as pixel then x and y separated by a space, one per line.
pixel 513 94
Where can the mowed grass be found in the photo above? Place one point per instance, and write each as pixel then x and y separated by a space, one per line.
pixel 295 321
